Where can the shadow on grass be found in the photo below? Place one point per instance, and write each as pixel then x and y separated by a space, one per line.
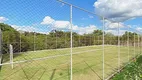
pixel 93 70
pixel 67 75
pixel 69 72
pixel 51 78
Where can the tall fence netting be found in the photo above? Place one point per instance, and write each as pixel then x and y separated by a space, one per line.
pixel 67 43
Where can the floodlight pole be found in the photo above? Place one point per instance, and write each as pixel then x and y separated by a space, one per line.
pixel 71 42
pixel 118 47
pixel 103 49
pixel 11 55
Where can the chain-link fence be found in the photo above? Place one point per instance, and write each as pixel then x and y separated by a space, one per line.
pixel 66 45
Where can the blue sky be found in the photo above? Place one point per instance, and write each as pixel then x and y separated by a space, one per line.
pixel 25 13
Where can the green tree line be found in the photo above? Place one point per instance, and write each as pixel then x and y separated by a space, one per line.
pixel 29 41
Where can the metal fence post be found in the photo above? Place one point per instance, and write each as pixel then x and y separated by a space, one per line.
pixel 118 48
pixel 11 55
pixel 71 41
pixel 103 49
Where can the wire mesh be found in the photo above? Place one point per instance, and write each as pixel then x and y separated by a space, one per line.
pixel 39 49
pixel 65 45
pixel 88 38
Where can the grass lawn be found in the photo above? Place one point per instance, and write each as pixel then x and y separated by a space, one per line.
pixel 87 63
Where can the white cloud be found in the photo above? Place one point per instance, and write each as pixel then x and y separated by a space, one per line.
pixel 84 30
pixel 55 23
pixel 75 27
pixel 119 10
pixel 24 28
pixel 115 32
pixel 43 32
pixel 47 20
pixel 61 24
pixel 2 19
pixel 139 28
pixel 89 29
pixel 110 25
